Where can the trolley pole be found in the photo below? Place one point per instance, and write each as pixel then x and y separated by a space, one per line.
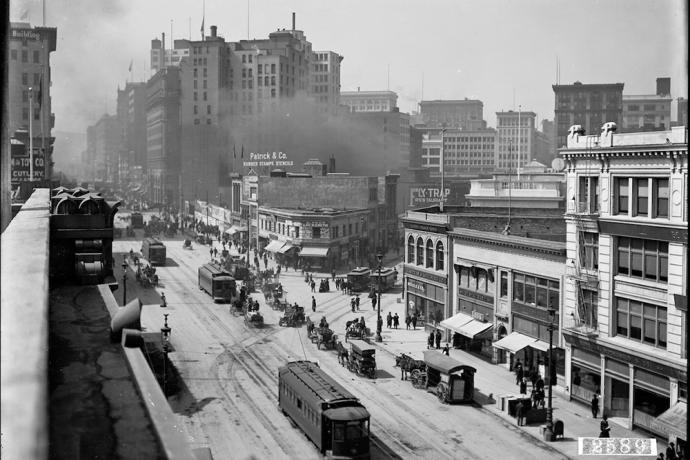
pixel 165 336
pixel 379 256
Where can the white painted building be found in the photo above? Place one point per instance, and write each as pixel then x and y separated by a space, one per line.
pixel 625 312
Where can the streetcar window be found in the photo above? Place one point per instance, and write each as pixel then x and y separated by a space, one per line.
pixel 338 432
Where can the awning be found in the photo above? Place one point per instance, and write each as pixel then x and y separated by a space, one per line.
pixel 233 229
pixel 474 328
pixel 313 251
pixel 673 421
pixel 540 345
pixel 285 248
pixel 274 245
pixel 514 342
pixel 455 321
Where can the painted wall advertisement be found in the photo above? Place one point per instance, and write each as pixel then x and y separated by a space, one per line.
pixel 270 159
pixel 429 194
pixel 21 168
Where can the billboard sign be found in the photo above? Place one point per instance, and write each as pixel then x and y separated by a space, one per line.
pixel 270 159
pixel 430 194
pixel 21 168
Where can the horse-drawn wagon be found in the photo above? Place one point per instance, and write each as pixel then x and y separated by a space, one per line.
pixel 361 358
pixel 446 377
pixel 325 336
pixel 146 274
pixel 294 316
pixel 408 364
pixel 355 329
pixel 252 317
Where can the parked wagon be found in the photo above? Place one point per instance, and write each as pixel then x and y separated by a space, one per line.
pixel 146 274
pixel 448 378
pixel 355 329
pixel 361 358
pixel 408 364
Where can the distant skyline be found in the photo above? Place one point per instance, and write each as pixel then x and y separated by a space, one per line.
pixel 501 52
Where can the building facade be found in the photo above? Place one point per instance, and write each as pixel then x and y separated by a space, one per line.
pixel 587 105
pixel 682 112
pixel 465 152
pixel 30 104
pixel 162 57
pixel 516 139
pixel 467 114
pixel 131 111
pixel 369 101
pixel 625 314
pixel 646 112
pixel 104 145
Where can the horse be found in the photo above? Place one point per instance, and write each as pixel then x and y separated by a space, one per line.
pixel 343 354
pixel 407 364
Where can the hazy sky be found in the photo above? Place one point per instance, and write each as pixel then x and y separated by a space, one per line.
pixel 502 52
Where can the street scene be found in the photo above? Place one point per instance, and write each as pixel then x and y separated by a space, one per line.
pixel 310 229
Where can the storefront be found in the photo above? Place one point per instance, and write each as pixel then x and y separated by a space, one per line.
pixel 314 257
pixel 425 296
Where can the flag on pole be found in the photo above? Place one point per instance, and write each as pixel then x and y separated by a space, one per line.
pixel 202 26
pixel 234 152
pixel 131 63
pixel 242 153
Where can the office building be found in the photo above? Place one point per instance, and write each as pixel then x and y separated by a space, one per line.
pixel 465 152
pixel 369 101
pixel 515 139
pixel 648 112
pixel 625 313
pixel 467 114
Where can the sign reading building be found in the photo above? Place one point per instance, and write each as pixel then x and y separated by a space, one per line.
pixel 21 168
pixel 271 159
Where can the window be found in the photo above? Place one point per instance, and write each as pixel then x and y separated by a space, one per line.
pixel 641 197
pixel 439 256
pixel 587 307
pixel 208 110
pixel 25 78
pixel 660 191
pixel 536 291
pixel 36 57
pixel 420 251
pixel 13 54
pixel 646 259
pixel 349 229
pixel 37 79
pixel 316 232
pixel 25 56
pixel 429 254
pixel 589 250
pixel 588 195
pixel 273 68
pixel 640 321
pixel 622 194
pixel 410 250
pixel 504 285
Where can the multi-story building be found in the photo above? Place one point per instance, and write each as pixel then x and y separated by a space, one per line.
pixel 369 101
pixel 587 105
pixel 515 139
pixel 104 146
pixel 162 57
pixel 649 112
pixel 131 111
pixel 682 112
pixel 29 104
pixel 625 314
pixel 325 80
pixel 163 170
pixel 467 114
pixel 465 152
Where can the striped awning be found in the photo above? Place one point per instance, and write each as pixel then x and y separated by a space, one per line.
pixel 274 245
pixel 313 251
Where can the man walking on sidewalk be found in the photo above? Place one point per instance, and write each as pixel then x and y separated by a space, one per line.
pixel 430 342
pixel 595 405
pixel 389 320
pixel 396 321
pixel 438 339
pixel 520 413
pixel 414 322
pixel 407 321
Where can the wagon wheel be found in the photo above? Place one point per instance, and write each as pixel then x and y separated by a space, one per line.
pixel 281 322
pixel 442 392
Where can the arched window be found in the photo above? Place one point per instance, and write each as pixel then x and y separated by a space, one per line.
pixel 429 254
pixel 420 251
pixel 439 255
pixel 410 250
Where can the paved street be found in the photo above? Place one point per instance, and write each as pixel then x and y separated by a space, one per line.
pixel 229 399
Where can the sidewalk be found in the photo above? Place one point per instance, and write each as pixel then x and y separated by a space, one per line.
pixel 493 380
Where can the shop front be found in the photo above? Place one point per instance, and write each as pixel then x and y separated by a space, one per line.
pixel 425 297
pixel 314 257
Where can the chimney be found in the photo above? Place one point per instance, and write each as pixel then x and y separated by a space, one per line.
pixel 163 48
pixel 293 20
pixel 213 31
pixel 331 164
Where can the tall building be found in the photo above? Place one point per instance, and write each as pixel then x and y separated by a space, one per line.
pixel 587 105
pixel 649 112
pixel 29 107
pixel 465 152
pixel 625 313
pixel 163 57
pixel 131 111
pixel 682 113
pixel 369 101
pixel 163 136
pixel 103 147
pixel 515 139
pixel 325 80
pixel 462 114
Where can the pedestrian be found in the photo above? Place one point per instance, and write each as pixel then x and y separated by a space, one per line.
pixel 407 321
pixel 533 376
pixel 357 302
pixel 604 428
pixel 373 302
pixel 438 339
pixel 523 386
pixel 414 322
pixel 520 374
pixel 333 274
pixel 313 284
pixel 520 413
pixel 446 350
pixel 540 383
pixel 379 323
pixel 352 304
pixel 396 321
pixel 215 252
pixel 430 342
pixel 595 405
pixel 671 452
pixel 516 367
pixel 389 320
pixel 660 456
pixel 313 304
pixel 211 252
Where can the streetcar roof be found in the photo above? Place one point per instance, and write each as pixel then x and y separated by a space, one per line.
pixel 311 376
pixel 348 413
pixel 153 241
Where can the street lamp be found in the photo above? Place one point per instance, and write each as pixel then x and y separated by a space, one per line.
pixel 165 338
pixel 124 282
pixel 379 321
pixel 548 432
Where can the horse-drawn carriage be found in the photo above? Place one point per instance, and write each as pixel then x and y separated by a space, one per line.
pixel 252 317
pixel 294 316
pixel 146 274
pixel 325 336
pixel 448 378
pixel 187 244
pixel 408 364
pixel 361 358
pixel 355 329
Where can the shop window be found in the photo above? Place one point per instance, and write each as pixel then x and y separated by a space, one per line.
pixel 646 259
pixel 420 251
pixel 585 382
pixel 439 256
pixel 410 250
pixel 650 403
pixel 641 322
pixel 429 254
pixel 316 232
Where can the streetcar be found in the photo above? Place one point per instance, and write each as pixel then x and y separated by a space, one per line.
pixel 334 419
pixel 153 250
pixel 217 283
pixel 358 279
pixel 386 281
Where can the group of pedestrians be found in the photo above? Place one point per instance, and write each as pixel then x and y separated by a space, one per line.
pixel 434 337
pixel 392 321
pixel 411 320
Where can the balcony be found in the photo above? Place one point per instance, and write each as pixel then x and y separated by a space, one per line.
pixel 583 208
pixel 579 326
pixel 589 278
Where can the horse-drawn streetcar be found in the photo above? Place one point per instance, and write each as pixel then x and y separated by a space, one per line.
pixel 448 378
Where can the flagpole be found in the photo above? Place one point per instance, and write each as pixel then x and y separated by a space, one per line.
pixel 31 134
